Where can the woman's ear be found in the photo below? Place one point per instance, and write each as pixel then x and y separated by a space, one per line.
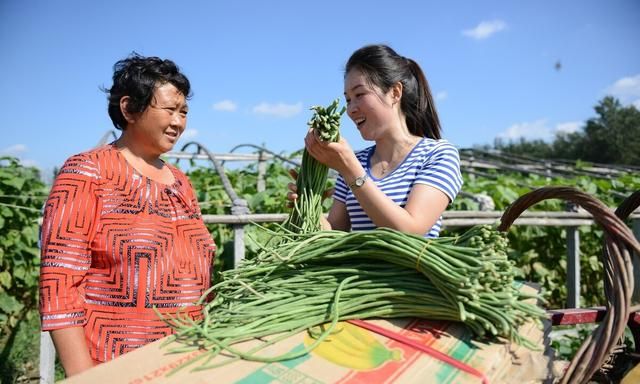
pixel 124 103
pixel 396 92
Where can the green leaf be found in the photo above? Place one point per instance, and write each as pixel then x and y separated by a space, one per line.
pixel 9 304
pixel 6 211
pixel 540 269
pixel 19 272
pixel 5 279
pixel 594 263
pixel 33 251
pixel 15 182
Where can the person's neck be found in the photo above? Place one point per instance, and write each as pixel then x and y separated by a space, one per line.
pixel 395 147
pixel 127 146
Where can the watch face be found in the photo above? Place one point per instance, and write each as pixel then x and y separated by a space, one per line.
pixel 359 181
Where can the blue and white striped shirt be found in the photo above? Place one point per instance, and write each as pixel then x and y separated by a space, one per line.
pixel 431 162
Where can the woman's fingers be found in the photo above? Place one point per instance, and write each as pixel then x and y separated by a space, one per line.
pixel 309 141
pixel 291 198
pixel 316 135
pixel 316 148
pixel 328 193
pixel 291 195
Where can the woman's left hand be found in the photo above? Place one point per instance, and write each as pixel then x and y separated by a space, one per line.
pixel 338 155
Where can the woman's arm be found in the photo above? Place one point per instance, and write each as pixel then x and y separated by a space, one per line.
pixel 72 350
pixel 424 206
pixel 338 218
pixel 68 222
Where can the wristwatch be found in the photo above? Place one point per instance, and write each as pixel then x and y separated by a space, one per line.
pixel 359 181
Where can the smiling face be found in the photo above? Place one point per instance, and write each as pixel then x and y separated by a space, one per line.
pixel 368 106
pixel 157 129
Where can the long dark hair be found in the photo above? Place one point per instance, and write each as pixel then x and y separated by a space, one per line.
pixel 383 67
pixel 137 77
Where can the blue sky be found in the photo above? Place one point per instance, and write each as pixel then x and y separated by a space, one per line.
pixel 257 66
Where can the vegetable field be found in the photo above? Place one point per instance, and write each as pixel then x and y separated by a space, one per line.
pixel 539 252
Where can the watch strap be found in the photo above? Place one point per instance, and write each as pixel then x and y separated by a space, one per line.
pixel 359 181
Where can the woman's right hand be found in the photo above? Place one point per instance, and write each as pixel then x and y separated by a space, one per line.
pixel 292 195
pixel 336 155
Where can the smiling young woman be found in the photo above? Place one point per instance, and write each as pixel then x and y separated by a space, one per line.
pixel 407 179
pixel 122 231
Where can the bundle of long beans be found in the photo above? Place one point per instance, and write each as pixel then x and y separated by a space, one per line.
pixel 312 178
pixel 314 278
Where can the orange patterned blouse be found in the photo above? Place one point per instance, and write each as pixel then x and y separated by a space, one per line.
pixel 116 244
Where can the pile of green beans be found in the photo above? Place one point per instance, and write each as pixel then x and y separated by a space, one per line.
pixel 310 279
pixel 312 178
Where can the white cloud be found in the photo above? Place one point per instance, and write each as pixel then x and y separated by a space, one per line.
pixel 13 150
pixel 568 127
pixel 278 110
pixel 625 87
pixel 538 130
pixel 485 29
pixel 17 151
pixel 225 105
pixel 30 163
pixel 527 130
pixel 189 133
pixel 441 95
pixel 627 90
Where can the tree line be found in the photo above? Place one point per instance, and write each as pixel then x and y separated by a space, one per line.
pixel 611 137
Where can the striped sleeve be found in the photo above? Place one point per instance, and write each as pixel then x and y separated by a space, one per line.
pixel 340 190
pixel 68 222
pixel 441 170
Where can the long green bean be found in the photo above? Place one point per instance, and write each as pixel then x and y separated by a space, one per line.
pixel 312 177
pixel 327 276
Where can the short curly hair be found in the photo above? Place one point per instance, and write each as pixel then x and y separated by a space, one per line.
pixel 137 77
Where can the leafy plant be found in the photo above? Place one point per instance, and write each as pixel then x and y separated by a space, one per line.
pixel 21 197
pixel 539 252
pixel 214 200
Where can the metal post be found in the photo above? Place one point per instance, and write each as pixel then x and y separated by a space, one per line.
pixel 573 267
pixel 547 169
pixel 240 207
pixel 573 259
pixel 472 175
pixel 238 244
pixel 47 359
pixel 485 202
pixel 262 170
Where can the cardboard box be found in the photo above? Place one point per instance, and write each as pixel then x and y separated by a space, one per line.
pixel 500 362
